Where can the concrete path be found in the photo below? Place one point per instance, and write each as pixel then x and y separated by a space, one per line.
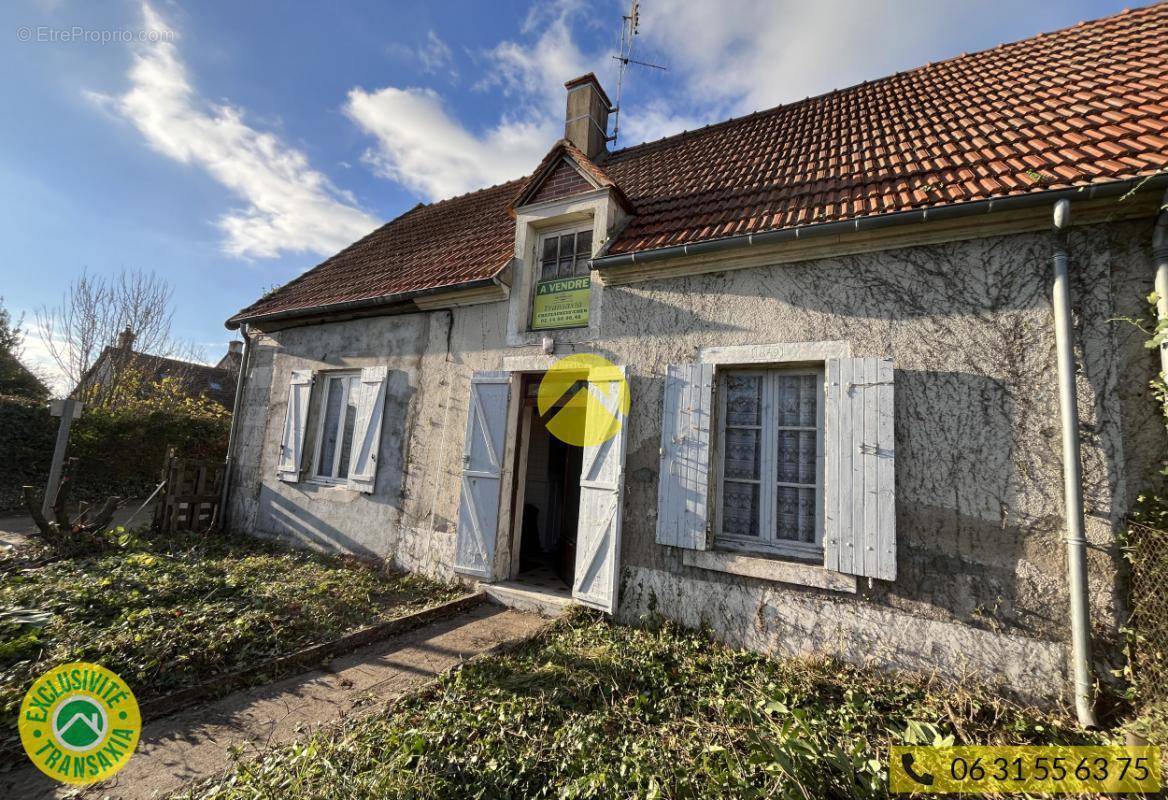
pixel 193 745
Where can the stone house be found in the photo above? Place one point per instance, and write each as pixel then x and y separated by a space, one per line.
pixel 844 324
pixel 212 381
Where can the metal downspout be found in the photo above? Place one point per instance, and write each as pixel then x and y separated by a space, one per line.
pixel 1072 470
pixel 1160 259
pixel 225 492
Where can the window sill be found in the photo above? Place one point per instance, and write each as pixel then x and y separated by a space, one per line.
pixel 331 489
pixel 770 569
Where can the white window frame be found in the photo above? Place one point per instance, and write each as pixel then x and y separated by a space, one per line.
pixel 328 378
pixel 537 271
pixel 767 542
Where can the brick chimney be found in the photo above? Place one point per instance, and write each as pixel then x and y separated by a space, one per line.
pixel 235 348
pixel 126 339
pixel 586 120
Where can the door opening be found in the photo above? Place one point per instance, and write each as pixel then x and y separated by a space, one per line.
pixel 550 498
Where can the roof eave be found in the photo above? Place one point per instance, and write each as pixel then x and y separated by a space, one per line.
pixel 329 309
pixel 877 221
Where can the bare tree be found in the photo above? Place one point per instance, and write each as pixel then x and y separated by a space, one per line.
pixel 95 310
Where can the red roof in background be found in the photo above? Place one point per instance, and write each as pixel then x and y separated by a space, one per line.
pixel 1084 105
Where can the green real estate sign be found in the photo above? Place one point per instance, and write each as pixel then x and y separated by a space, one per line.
pixel 561 303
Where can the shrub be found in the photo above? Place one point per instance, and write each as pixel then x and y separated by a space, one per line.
pixel 119 447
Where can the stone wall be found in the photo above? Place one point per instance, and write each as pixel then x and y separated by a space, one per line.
pixel 978 477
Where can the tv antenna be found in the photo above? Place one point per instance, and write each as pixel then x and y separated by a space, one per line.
pixel 629 28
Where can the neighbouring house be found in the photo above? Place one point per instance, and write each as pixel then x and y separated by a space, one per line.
pixel 841 322
pixel 215 382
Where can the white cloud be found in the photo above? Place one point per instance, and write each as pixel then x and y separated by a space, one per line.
pixel 725 59
pixel 290 207
pixel 35 355
pixel 422 147
pixel 432 56
pixel 738 56
pixel 536 71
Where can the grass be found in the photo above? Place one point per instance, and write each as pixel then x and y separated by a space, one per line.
pixel 596 710
pixel 169 612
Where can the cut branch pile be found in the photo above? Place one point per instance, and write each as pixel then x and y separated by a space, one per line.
pixel 64 535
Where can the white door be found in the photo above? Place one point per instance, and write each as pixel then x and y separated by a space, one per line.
pixel 482 473
pixel 601 492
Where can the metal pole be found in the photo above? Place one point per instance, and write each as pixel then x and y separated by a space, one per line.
pixel 1160 259
pixel 67 410
pixel 1072 471
pixel 220 521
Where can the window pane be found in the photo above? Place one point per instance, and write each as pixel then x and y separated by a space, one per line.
pixel 584 243
pixel 566 248
pixel 566 268
pixel 740 509
pixel 742 453
pixel 548 271
pixel 797 451
pixel 582 265
pixel 347 436
pixel 549 249
pixel 797 398
pixel 796 521
pixel 332 415
pixel 743 399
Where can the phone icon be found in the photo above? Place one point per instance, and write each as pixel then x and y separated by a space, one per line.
pixel 906 761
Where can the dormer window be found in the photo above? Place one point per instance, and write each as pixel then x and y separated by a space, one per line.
pixel 563 289
pixel 565 255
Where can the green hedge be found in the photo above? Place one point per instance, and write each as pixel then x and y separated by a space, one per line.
pixel 119 450
pixel 27 433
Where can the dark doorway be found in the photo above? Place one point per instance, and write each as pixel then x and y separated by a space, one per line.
pixel 551 504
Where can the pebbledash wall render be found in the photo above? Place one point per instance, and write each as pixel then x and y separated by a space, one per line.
pixel 966 319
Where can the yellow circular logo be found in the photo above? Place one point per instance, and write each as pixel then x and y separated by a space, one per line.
pixel 589 397
pixel 79 723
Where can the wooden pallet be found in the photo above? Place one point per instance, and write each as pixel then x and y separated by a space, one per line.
pixel 191 495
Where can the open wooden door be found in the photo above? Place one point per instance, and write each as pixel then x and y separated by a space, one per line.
pixel 482 473
pixel 601 495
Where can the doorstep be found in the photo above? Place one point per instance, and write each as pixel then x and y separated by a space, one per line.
pixel 526 597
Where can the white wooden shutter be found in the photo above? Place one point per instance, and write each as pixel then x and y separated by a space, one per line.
pixel 367 429
pixel 601 495
pixel 482 473
pixel 295 419
pixel 860 502
pixel 683 483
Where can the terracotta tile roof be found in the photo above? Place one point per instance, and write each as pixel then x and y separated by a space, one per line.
pixel 1088 104
pixel 198 380
pixel 449 243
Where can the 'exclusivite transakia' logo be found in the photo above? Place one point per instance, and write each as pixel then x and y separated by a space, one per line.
pixel 79 723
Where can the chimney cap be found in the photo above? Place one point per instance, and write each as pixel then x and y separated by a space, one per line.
pixel 586 78
pixel 235 346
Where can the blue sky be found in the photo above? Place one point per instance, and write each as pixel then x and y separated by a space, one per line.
pixel 230 146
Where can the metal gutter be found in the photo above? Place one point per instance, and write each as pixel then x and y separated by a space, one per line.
pixel 878 222
pixel 1072 469
pixel 364 303
pixel 225 492
pixel 1160 259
